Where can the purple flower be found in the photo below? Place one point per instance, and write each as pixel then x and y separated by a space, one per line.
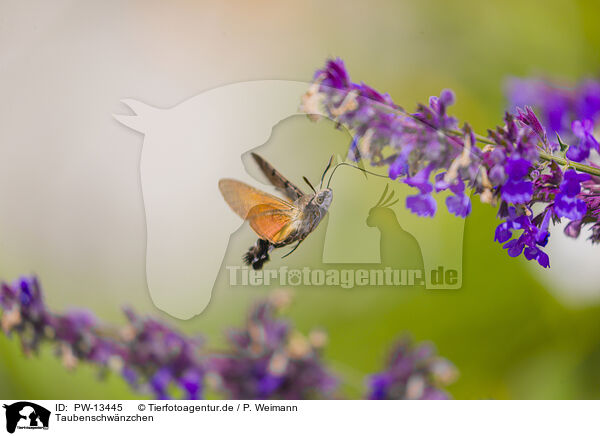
pixel 413 372
pixel 269 360
pixel 532 237
pixel 588 100
pixel 447 97
pixel 497 175
pixel 566 203
pixel 399 167
pixel 148 354
pixel 583 131
pixel 554 103
pixel 421 204
pixel 528 118
pixel 517 189
pixel 160 383
pixel 266 359
pixel 191 382
pixel 534 253
pixel 503 232
pixel 508 170
pixel 334 74
pixel 377 122
pixel 459 205
pixel 421 181
pixel 573 229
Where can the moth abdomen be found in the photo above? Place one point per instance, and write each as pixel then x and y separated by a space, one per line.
pixel 258 254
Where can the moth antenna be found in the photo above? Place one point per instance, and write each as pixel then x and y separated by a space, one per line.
pixel 325 172
pixel 309 184
pixel 352 166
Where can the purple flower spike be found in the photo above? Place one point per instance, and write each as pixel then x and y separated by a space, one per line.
pixel 511 170
pixel 265 360
pixel 268 360
pixel 413 372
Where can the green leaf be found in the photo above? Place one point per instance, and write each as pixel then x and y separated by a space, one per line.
pixel 563 146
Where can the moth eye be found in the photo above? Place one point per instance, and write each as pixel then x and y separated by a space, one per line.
pixel 319 200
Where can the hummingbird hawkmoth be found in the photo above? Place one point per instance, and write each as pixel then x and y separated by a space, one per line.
pixel 278 222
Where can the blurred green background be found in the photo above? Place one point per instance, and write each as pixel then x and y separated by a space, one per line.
pixel 65 66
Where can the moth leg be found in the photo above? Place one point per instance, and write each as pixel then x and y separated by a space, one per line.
pixel 293 249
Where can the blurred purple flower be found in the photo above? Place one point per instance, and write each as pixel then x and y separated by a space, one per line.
pixel 270 361
pixel 413 372
pixel 459 205
pixel 558 105
pixel 267 359
pixel 148 354
pixel 162 357
pixel 587 100
pixel 421 204
pixel 584 132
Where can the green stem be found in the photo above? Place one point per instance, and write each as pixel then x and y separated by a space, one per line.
pixel 563 161
pixel 484 140
pixel 543 155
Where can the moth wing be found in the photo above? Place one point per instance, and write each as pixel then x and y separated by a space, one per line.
pixel 242 197
pixel 270 217
pixel 272 224
pixel 277 179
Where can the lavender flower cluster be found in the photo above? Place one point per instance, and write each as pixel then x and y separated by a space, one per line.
pixel 572 114
pixel 269 360
pixel 266 359
pixel 413 373
pixel 426 149
pixel 149 355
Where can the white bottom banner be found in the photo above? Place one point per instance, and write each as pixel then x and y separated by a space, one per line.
pixel 300 417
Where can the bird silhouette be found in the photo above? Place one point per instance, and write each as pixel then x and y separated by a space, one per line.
pixel 399 249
